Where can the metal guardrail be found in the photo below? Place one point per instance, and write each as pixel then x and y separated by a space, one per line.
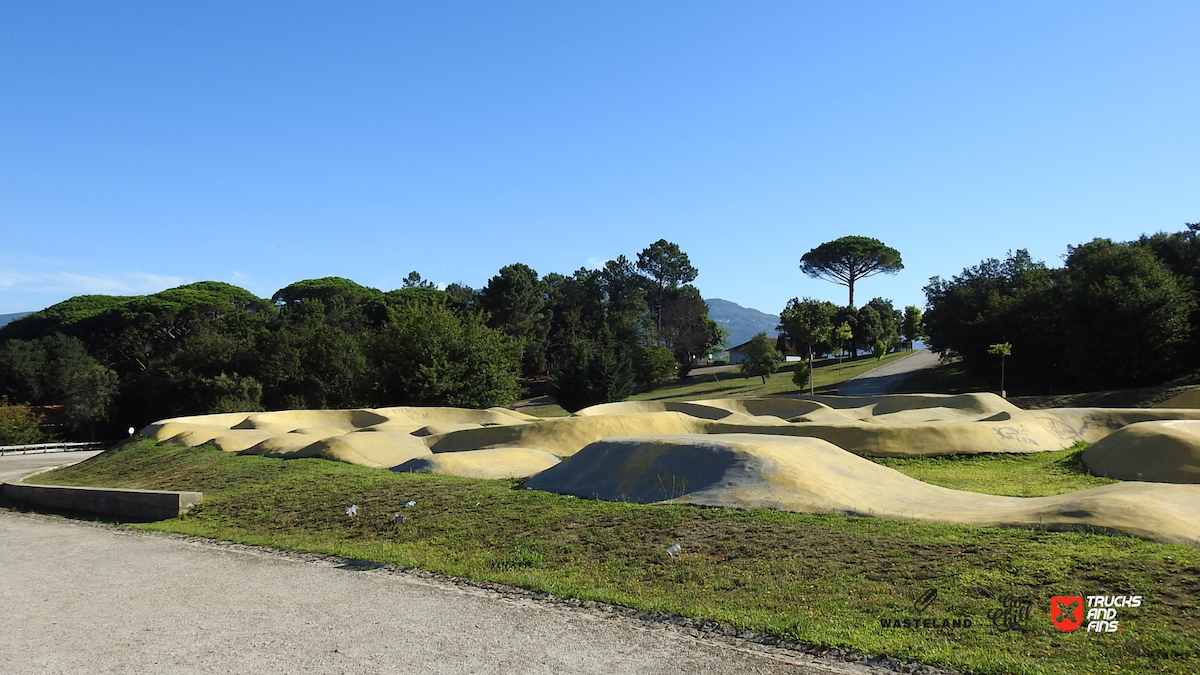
pixel 38 448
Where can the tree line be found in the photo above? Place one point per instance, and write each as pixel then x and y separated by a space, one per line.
pixel 1116 314
pixel 332 343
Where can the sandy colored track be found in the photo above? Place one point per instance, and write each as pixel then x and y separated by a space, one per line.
pixel 1160 452
pixel 809 475
pixel 88 599
pixel 759 453
pixel 897 425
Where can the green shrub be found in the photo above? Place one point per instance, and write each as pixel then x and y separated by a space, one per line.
pixel 18 424
pixel 878 349
pixel 800 374
pixel 653 365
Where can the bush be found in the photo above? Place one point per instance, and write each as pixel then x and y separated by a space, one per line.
pixel 18 424
pixel 800 374
pixel 879 349
pixel 653 365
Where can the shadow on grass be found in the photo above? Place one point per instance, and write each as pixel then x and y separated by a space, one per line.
pixel 707 393
pixel 1073 463
pixel 950 378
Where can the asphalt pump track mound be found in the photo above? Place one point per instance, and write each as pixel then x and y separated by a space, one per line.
pixel 799 454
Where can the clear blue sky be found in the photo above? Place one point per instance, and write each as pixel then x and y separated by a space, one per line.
pixel 147 144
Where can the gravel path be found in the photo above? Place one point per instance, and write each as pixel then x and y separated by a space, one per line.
pixel 885 379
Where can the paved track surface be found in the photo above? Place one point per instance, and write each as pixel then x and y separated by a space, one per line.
pixel 13 467
pixel 83 598
pixel 885 379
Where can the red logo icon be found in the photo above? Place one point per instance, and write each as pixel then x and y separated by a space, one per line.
pixel 1066 612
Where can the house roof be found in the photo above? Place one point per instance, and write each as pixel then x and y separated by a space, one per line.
pixel 741 346
pixel 789 345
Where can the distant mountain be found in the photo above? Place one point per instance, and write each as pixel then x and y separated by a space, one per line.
pixel 742 323
pixel 5 318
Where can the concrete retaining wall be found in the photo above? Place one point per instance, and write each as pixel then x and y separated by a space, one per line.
pixel 121 503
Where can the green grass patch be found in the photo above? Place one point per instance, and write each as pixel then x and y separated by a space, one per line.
pixel 1038 474
pixel 827 375
pixel 544 411
pixel 821 579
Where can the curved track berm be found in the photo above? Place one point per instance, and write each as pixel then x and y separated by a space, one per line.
pixel 796 454
pixel 809 475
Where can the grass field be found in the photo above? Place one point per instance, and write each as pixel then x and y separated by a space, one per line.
pixel 1030 475
pixel 821 579
pixel 827 374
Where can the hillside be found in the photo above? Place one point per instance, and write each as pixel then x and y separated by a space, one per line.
pixel 742 323
pixel 5 318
